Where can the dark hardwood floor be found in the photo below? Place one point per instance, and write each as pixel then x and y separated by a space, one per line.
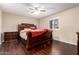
pixel 13 47
pixel 60 48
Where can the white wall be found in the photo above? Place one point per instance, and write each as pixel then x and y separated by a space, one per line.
pixel 0 25
pixel 11 21
pixel 69 25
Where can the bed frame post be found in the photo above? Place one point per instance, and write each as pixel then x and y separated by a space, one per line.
pixel 28 44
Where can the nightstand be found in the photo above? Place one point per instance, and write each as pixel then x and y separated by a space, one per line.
pixel 10 36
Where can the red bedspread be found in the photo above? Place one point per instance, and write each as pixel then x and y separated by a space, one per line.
pixel 38 32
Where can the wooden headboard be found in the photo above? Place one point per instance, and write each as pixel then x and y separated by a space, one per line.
pixel 25 25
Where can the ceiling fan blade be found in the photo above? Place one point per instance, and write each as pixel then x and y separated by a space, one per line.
pixel 31 8
pixel 32 11
pixel 43 10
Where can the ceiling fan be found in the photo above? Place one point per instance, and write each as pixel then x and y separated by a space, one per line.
pixel 37 9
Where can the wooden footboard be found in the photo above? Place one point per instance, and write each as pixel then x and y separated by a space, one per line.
pixel 38 40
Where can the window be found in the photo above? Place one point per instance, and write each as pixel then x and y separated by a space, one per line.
pixel 54 23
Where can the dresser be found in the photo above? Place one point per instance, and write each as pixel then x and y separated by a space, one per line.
pixel 78 43
pixel 10 36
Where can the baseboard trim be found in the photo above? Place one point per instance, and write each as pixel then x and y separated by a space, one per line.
pixel 66 42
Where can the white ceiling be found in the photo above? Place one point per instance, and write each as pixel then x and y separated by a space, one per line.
pixel 36 10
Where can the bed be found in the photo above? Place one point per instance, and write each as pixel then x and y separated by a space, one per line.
pixel 33 37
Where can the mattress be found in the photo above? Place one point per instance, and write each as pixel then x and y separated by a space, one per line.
pixel 23 35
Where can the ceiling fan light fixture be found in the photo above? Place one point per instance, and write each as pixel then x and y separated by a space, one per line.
pixel 36 13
